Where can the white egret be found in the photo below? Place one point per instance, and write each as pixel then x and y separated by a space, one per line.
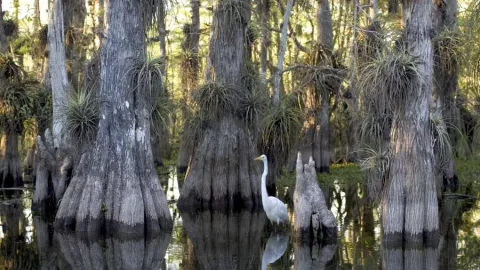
pixel 275 209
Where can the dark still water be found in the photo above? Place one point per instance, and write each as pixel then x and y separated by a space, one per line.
pixel 242 240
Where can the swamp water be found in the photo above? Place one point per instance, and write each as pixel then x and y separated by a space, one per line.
pixel 240 240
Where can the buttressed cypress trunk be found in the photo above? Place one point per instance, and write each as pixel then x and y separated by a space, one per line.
pixel 410 206
pixel 115 185
pixel 222 171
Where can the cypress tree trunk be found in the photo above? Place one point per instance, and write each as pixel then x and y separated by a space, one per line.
pixel 115 186
pixel 410 203
pixel 74 19
pixel 222 170
pixel 190 68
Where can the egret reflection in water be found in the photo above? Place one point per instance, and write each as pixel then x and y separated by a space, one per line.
pixel 275 248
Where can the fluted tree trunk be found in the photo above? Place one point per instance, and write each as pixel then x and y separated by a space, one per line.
pixel 410 207
pixel 190 68
pixel 222 172
pixel 115 186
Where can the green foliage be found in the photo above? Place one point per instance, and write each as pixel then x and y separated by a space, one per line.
pixel 442 145
pixel 17 104
pixel 161 113
pixel 340 174
pixel 214 100
pixel 281 128
pixel 448 47
pixel 82 116
pixel 9 68
pixel 255 102
pixel 43 109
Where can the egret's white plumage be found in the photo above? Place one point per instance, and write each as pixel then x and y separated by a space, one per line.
pixel 275 209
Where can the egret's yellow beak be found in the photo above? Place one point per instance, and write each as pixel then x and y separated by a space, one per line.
pixel 258 158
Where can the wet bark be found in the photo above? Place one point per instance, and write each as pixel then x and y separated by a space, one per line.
pixel 10 165
pixel 217 237
pixel 190 69
pixel 418 257
pixel 410 207
pixel 222 171
pixel 313 219
pixel 115 186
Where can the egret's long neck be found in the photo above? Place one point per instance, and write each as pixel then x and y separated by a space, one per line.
pixel 264 180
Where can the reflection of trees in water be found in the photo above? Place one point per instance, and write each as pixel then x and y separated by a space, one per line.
pixel 224 240
pixel 314 255
pixel 398 257
pixel 15 251
pixel 357 225
pixel 112 253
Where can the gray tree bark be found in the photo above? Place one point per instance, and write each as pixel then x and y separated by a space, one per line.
pixel 281 54
pixel 74 14
pixel 190 69
pixel 115 186
pixel 222 172
pixel 58 71
pixel 313 219
pixel 410 207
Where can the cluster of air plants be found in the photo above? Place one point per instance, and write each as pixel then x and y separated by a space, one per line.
pixel 82 112
pixel 215 99
pixel 388 77
pixel 146 78
pixel 17 103
pixel 376 164
pixel 161 113
pixel 281 128
pixel 448 49
pixel 234 11
pixel 255 100
pixel 10 70
pixel 442 144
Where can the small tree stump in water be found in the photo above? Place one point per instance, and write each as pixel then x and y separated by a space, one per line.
pixel 312 215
